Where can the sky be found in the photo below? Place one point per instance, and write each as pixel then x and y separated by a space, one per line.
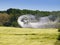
pixel 42 5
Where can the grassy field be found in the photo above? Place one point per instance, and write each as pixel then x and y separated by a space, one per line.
pixel 28 36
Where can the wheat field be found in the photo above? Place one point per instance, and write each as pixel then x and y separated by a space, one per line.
pixel 27 36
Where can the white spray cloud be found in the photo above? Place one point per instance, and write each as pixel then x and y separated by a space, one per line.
pixel 30 21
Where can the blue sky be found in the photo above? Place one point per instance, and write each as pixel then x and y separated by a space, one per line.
pixel 42 5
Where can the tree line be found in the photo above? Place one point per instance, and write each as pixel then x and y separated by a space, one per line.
pixel 10 16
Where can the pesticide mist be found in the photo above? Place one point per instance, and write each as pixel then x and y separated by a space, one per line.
pixel 32 21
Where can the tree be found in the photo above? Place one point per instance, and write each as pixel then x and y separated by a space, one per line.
pixel 3 18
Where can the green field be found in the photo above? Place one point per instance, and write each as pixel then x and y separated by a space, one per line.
pixel 28 36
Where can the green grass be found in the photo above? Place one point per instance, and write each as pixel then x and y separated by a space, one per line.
pixel 28 36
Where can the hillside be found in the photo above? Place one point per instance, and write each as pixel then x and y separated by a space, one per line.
pixel 28 36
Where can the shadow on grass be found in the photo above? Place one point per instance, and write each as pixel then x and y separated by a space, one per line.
pixel 58 39
pixel 25 34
